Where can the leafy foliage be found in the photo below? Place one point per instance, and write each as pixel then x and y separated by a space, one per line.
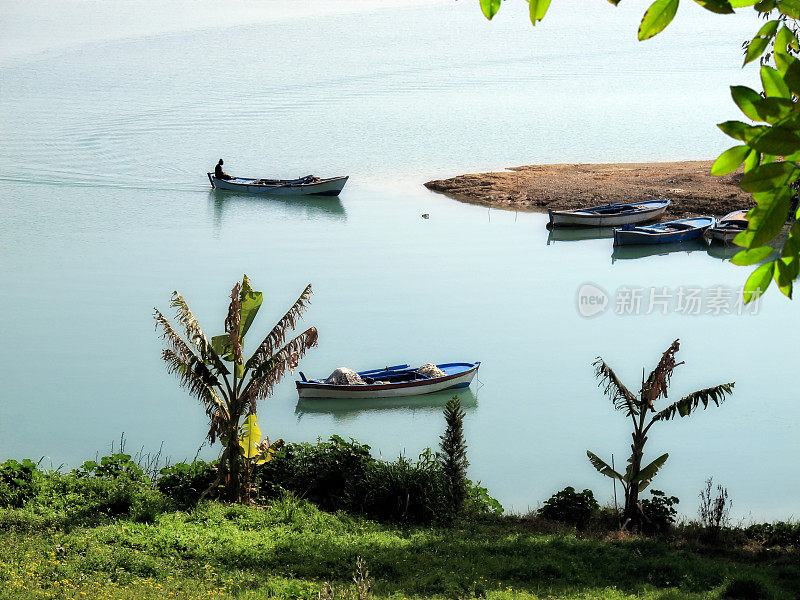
pixel 113 466
pixel 185 482
pixel 641 410
pixel 570 507
pixel 658 513
pixel 17 482
pixel 229 396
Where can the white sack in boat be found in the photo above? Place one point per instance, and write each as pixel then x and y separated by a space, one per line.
pixel 430 370
pixel 345 376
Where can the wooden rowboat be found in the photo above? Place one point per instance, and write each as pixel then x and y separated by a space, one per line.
pixel 728 227
pixel 304 186
pixel 609 214
pixel 669 232
pixel 391 382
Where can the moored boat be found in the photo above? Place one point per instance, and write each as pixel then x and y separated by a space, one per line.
pixel 728 227
pixel 391 382
pixel 609 215
pixel 669 232
pixel 303 186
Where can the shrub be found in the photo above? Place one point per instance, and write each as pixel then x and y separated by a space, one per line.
pixel 17 482
pixel 112 467
pixel 185 482
pixel 781 533
pixel 659 513
pixel 480 503
pixel 407 492
pixel 330 474
pixel 570 507
pixel 747 589
pixel 714 510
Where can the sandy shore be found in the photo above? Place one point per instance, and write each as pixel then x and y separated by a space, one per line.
pixel 688 184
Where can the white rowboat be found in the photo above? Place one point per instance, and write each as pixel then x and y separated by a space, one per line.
pixel 304 186
pixel 610 214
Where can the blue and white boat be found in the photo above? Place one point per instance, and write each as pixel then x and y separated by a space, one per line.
pixel 609 215
pixel 669 232
pixel 391 382
pixel 728 227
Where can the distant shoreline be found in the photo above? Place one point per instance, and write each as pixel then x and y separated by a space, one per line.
pixel 689 184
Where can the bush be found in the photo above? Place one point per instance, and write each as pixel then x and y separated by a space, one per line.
pixel 406 492
pixel 659 513
pixel 747 589
pixel 780 533
pixel 185 482
pixel 570 507
pixel 17 482
pixel 343 475
pixel 330 474
pixel 114 466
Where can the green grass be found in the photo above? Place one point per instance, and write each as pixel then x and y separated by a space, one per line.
pixel 287 549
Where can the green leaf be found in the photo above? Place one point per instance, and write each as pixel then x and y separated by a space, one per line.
pixel 785 40
pixel 752 161
pixel 647 474
pixel 748 101
pixel 777 141
pixel 791 76
pixel 790 8
pixel 766 219
pixel 730 160
pixel 766 5
pixel 756 48
pixel 769 28
pixel 722 7
pixel 249 303
pixel 783 278
pixel 769 177
pixel 773 82
pixel 758 282
pixel 742 3
pixel 752 256
pixel 221 345
pixel 538 9
pixel 735 129
pixel 490 8
pixel 657 17
pixel 603 467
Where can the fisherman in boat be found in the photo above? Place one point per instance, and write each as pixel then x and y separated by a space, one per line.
pixel 219 173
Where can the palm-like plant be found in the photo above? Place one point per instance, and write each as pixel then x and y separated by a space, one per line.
pixel 643 414
pixel 229 394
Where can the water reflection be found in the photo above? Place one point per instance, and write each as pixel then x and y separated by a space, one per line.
pixel 723 251
pixel 644 250
pixel 311 207
pixel 576 234
pixel 343 409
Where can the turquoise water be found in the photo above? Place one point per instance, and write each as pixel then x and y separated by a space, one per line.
pixel 107 136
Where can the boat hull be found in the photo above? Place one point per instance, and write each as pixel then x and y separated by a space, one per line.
pixel 324 187
pixel 660 234
pixel 589 218
pixel 462 379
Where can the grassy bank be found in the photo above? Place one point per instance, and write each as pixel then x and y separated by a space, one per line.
pixel 289 547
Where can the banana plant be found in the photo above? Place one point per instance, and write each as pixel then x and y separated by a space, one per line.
pixel 215 372
pixel 255 451
pixel 643 414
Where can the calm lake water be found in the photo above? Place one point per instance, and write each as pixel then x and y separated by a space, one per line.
pixel 109 126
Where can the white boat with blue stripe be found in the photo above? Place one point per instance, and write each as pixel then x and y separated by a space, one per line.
pixel 392 382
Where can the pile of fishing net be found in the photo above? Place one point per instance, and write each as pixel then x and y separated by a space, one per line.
pixel 430 370
pixel 345 376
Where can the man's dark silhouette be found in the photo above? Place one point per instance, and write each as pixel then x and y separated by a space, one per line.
pixel 219 173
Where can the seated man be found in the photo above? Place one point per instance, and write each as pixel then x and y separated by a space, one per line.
pixel 219 173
